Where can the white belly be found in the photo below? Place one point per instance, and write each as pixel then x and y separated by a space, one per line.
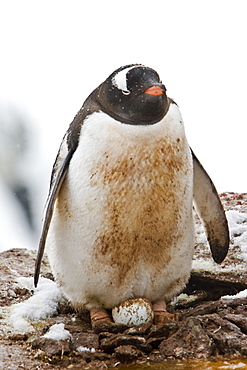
pixel 122 225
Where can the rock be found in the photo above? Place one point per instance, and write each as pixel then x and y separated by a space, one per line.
pixel 201 309
pixel 233 302
pixel 156 357
pixel 215 284
pixel 78 324
pixel 127 353
pixel 157 331
pixel 239 320
pixel 185 300
pixel 155 342
pixel 228 338
pixel 103 327
pixel 109 343
pixel 104 335
pixel 18 337
pixel 142 329
pixel 90 356
pixel 190 341
pixel 86 340
pixel 51 346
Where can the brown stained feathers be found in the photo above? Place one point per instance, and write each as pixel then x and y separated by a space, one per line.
pixel 140 206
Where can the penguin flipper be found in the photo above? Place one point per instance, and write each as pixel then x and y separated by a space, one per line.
pixel 56 183
pixel 211 211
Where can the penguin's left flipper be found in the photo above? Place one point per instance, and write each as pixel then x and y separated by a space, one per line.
pixel 211 211
pixel 57 181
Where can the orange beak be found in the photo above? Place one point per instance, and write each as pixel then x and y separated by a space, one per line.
pixel 154 90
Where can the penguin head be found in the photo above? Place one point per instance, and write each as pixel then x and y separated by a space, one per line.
pixel 134 94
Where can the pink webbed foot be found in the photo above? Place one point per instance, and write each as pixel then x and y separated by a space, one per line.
pixel 99 315
pixel 160 313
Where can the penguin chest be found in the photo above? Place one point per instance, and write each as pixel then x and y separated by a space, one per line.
pixel 127 198
pixel 141 203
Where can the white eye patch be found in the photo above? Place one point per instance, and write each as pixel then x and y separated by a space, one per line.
pixel 120 79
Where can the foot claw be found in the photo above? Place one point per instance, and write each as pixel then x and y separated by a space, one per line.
pixel 161 318
pixel 99 314
pixel 160 313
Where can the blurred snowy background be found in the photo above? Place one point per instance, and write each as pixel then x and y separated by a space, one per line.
pixel 54 53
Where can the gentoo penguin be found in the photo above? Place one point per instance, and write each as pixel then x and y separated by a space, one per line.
pixel 118 222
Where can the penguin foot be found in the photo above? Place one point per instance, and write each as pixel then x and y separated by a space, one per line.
pixel 99 315
pixel 160 313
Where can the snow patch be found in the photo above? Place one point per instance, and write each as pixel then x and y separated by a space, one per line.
pixel 200 235
pixel 57 332
pixel 41 305
pixel 183 297
pixel 85 349
pixel 238 230
pixel 44 301
pixel 237 222
pixel 242 294
pixel 201 264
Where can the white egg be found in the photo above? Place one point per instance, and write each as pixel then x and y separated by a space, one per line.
pixel 133 312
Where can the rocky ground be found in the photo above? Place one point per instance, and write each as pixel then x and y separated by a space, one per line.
pixel 209 320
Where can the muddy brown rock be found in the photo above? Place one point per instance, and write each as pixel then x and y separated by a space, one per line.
pixel 228 338
pixel 127 353
pixel 239 320
pixel 107 327
pixel 200 309
pixel 91 357
pixel 51 346
pixel 87 340
pixel 190 341
pixel 112 341
pixel 157 331
pixel 142 329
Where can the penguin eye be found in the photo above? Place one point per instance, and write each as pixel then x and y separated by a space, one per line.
pixel 125 92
